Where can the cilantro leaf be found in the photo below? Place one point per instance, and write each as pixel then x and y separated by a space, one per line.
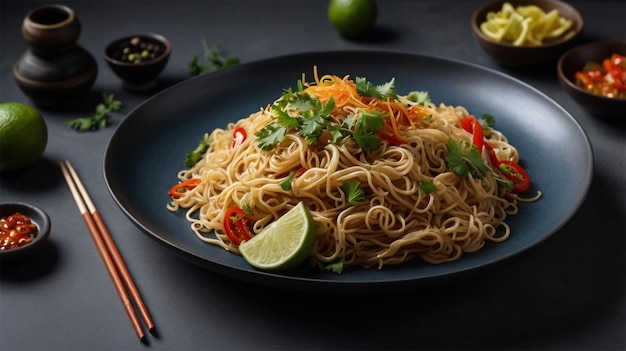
pixel 194 156
pixel 215 57
pixel 286 120
pixel 419 97
pixel 303 103
pixel 306 115
pixel 335 267
pixel 427 186
pixel 384 91
pixel 463 158
pixel 247 208
pixel 312 128
pixel 338 132
pixel 365 126
pixel 487 120
pixel 372 120
pixel 354 194
pixel 367 141
pixel 476 163
pixel 455 159
pixel 270 136
pixel 328 108
pixel 100 118
pixel 286 184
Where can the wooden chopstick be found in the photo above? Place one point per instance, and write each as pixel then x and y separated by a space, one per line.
pixel 113 261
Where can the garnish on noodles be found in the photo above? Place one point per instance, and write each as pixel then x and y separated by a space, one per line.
pixel 386 177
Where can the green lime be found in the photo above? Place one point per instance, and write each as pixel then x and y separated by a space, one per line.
pixel 284 244
pixel 352 18
pixel 23 136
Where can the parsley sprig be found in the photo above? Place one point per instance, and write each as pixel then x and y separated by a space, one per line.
pixel 100 118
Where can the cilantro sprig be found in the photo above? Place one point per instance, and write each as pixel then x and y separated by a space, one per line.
pixel 383 91
pixel 305 114
pixel 100 118
pixel 354 193
pixel 487 121
pixel 419 97
pixel 464 158
pixel 427 186
pixel 194 156
pixel 215 57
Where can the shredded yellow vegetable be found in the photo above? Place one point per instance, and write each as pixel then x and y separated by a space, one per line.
pixel 525 25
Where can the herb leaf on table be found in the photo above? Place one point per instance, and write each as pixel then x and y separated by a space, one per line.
pixel 215 59
pixel 100 118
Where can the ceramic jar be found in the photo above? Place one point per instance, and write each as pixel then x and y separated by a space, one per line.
pixel 55 70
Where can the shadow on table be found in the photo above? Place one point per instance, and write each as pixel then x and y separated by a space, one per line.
pixel 33 267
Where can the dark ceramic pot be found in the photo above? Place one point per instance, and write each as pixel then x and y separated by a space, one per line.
pixel 55 70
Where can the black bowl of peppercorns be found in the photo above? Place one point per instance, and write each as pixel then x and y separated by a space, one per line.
pixel 138 59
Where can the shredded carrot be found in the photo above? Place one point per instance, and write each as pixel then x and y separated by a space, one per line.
pixel 392 119
pixel 344 93
pixel 342 90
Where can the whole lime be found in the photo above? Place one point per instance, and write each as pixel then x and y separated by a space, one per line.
pixel 23 136
pixel 352 18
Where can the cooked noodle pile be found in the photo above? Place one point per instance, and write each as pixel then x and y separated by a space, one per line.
pixel 398 218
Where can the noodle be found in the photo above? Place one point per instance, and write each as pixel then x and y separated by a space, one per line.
pixel 396 221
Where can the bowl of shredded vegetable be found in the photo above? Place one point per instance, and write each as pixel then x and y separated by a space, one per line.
pixel 526 32
pixel 594 75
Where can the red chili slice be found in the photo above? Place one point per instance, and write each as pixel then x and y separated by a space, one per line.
pixel 300 171
pixel 239 136
pixel 236 225
pixel 471 125
pixel 515 173
pixel 492 154
pixel 179 189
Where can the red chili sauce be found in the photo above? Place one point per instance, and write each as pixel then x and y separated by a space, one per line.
pixel 16 230
pixel 606 79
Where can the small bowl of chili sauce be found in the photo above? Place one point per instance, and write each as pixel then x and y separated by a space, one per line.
pixel 23 228
pixel 594 75
pixel 138 59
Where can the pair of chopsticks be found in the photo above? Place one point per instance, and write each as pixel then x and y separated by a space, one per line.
pixel 113 261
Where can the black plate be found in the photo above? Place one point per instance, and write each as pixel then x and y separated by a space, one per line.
pixel 149 146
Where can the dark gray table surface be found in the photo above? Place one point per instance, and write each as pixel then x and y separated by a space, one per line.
pixel 565 294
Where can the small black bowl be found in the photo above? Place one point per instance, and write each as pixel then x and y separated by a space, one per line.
pixel 37 216
pixel 139 72
pixel 574 60
pixel 507 54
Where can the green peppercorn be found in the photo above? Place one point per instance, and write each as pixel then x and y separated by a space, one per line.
pixel 138 50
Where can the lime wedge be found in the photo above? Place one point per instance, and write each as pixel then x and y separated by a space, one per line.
pixel 283 244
